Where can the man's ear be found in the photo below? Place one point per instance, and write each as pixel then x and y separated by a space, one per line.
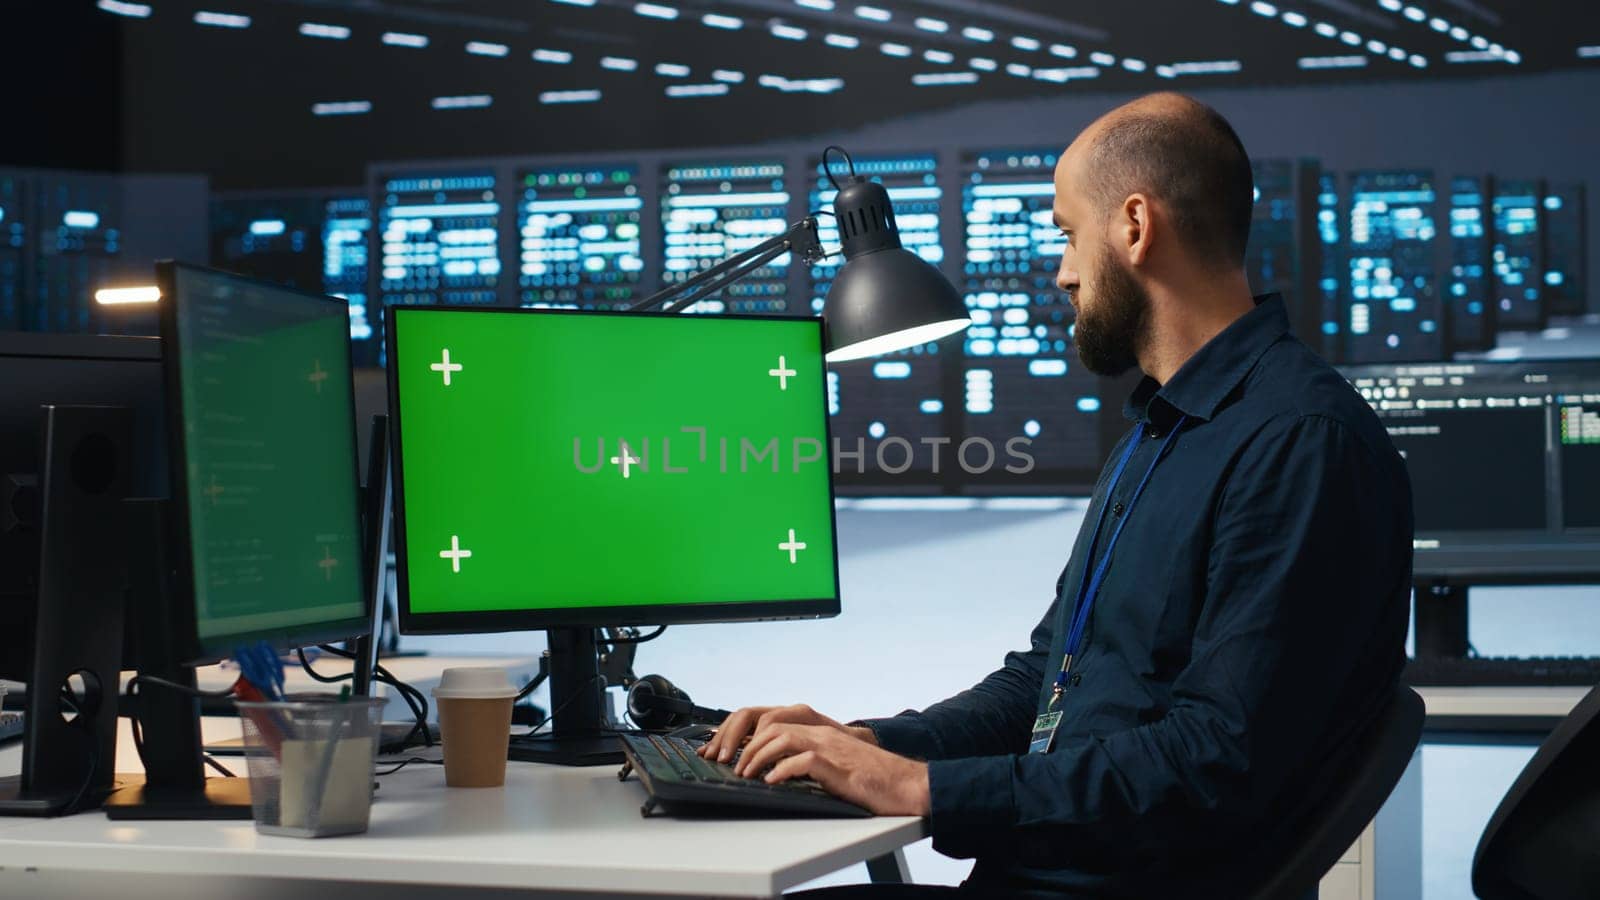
pixel 1136 228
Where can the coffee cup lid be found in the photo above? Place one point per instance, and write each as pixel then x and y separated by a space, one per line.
pixel 475 683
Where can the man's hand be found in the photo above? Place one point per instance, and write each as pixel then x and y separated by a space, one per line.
pixel 731 734
pixel 846 766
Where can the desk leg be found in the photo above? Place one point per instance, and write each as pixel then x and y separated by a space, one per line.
pixel 889 868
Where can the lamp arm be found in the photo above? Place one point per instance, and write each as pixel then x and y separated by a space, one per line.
pixel 743 268
pixel 800 238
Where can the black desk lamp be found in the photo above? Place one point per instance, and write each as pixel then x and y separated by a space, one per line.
pixel 885 298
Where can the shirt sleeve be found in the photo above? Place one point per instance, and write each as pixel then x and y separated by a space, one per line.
pixel 1308 541
pixel 993 717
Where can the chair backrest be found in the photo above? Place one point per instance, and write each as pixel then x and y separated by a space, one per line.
pixel 1543 842
pixel 1352 805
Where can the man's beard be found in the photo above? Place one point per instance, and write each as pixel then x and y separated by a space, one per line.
pixel 1109 334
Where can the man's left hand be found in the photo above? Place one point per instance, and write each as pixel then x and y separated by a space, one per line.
pixel 847 767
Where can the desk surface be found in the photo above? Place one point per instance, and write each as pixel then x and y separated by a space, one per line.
pixel 1498 710
pixel 549 828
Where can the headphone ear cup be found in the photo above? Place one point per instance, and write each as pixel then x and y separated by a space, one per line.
pixel 656 704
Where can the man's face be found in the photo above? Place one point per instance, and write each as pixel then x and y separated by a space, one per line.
pixel 1112 307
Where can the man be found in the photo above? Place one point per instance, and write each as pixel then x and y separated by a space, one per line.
pixel 1232 618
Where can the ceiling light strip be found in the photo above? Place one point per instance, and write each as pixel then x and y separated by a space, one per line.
pixel 221 20
pixel 342 108
pixel 696 90
pixel 402 39
pixel 326 32
pixel 1418 16
pixel 584 96
pixel 466 101
pixel 935 79
pixel 1332 62
pixel 130 10
pixel 1296 19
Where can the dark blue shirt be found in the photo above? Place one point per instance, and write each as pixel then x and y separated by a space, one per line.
pixel 1250 628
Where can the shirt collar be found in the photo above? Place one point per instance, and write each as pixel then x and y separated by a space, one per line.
pixel 1209 376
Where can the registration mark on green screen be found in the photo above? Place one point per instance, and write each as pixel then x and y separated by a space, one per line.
pixel 563 460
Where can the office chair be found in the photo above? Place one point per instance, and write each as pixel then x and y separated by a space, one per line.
pixel 1354 803
pixel 1543 842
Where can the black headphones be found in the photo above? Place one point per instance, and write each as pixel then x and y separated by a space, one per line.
pixel 656 704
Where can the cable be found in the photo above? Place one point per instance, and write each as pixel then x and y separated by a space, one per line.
pixel 138 680
pixel 138 740
pixel 85 724
pixel 643 638
pixel 834 148
pixel 413 698
pixel 564 704
pixel 305 664
pixel 94 762
pixel 533 684
pixel 406 762
pixel 213 763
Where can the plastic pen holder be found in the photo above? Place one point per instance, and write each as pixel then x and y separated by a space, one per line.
pixel 317 782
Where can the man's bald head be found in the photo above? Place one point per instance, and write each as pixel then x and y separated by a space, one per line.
pixel 1182 154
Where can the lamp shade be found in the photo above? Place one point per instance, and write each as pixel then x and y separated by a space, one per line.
pixel 885 298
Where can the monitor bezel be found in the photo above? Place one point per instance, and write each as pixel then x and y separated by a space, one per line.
pixel 484 621
pixel 179 562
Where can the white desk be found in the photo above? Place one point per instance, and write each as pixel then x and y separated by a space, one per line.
pixel 550 832
pixel 1496 712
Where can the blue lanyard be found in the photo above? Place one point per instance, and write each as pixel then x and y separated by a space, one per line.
pixel 1087 593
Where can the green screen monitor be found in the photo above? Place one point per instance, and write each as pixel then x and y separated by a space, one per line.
pixel 564 470
pixel 266 518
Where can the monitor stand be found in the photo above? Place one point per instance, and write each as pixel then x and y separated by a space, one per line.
pixel 579 733
pixel 174 785
pixel 77 615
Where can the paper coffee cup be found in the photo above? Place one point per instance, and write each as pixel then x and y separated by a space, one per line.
pixel 474 725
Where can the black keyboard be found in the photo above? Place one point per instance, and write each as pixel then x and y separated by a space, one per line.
pixel 11 727
pixel 680 782
pixel 1505 671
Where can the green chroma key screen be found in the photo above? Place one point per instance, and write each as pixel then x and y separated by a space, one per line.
pixel 555 462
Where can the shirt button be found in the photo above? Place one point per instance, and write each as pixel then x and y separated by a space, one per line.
pixel 1155 433
pixel 1117 509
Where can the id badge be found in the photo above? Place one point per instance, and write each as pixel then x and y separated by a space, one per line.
pixel 1044 732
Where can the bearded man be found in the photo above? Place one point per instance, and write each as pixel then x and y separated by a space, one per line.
pixel 1232 619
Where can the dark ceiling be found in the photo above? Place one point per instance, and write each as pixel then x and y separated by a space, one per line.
pixel 234 87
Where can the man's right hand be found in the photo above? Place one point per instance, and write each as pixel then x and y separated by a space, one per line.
pixel 745 723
